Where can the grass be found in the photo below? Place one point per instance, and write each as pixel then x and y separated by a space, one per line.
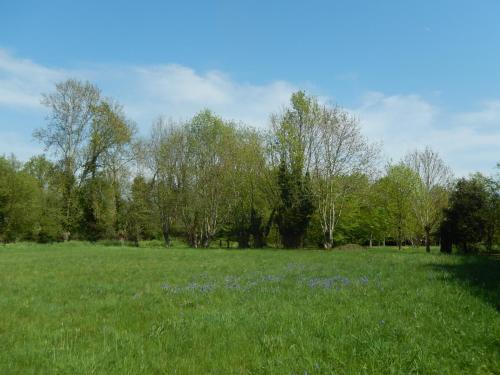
pixel 79 308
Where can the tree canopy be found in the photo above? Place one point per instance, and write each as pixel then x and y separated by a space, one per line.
pixel 311 180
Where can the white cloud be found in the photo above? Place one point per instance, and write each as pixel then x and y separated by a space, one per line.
pixel 149 91
pixel 22 81
pixel 179 91
pixel 469 141
pixel 487 116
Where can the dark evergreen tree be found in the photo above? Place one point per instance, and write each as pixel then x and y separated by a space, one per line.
pixel 466 219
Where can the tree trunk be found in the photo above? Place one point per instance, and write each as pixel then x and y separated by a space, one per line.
pixel 193 240
pixel 243 240
pixel 328 240
pixel 206 241
pixel 166 234
pixel 371 241
pixel 427 239
pixel 399 238
pixel 269 224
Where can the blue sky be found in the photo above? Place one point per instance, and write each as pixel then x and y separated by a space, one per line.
pixel 415 72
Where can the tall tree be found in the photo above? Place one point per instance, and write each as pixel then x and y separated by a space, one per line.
pixel 294 137
pixel 166 156
pixel 466 219
pixel 340 153
pixel 49 223
pixel 71 108
pixel 398 186
pixel 430 194
pixel 109 135
pixel 373 220
pixel 246 196
pixel 87 134
pixel 206 170
pixel 139 221
pixel 208 173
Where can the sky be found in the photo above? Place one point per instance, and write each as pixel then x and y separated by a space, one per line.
pixel 415 73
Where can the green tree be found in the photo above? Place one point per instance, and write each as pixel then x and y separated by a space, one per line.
pixel 51 219
pixel 71 108
pixel 373 220
pixel 19 202
pixel 430 195
pixel 88 135
pixel 398 187
pixel 246 196
pixel 109 135
pixel 471 216
pixel 166 157
pixel 341 154
pixel 293 142
pixel 140 223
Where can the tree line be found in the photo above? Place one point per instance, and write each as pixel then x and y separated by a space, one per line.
pixel 310 180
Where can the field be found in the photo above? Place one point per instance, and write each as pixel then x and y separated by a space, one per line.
pixel 81 308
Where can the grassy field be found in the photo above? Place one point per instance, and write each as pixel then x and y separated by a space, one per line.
pixel 79 308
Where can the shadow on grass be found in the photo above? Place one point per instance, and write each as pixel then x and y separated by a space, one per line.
pixel 479 274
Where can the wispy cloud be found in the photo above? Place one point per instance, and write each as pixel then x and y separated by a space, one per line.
pixel 468 140
pixel 22 81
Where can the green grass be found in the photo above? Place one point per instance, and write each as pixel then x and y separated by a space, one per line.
pixel 79 308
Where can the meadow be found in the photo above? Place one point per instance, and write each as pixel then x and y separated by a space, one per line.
pixel 81 308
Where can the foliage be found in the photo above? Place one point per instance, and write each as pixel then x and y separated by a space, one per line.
pixel 398 188
pixel 473 213
pixel 310 181
pixel 19 202
pixel 430 195
pixel 296 205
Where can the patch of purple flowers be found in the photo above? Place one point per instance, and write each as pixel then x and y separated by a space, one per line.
pixel 192 287
pixel 327 282
pixel 363 280
pixel 295 267
pixel 272 278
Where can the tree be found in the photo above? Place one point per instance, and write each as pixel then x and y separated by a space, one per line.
pixel 398 187
pixel 246 196
pixel 19 202
pixel 194 165
pixel 71 111
pixel 340 154
pixel 166 158
pixel 293 131
pixel 466 218
pixel 139 223
pixel 109 135
pixel 373 221
pixel 473 216
pixel 430 194
pixel 49 225
pixel 89 136
pixel 213 144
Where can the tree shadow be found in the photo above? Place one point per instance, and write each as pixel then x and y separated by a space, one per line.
pixel 478 274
